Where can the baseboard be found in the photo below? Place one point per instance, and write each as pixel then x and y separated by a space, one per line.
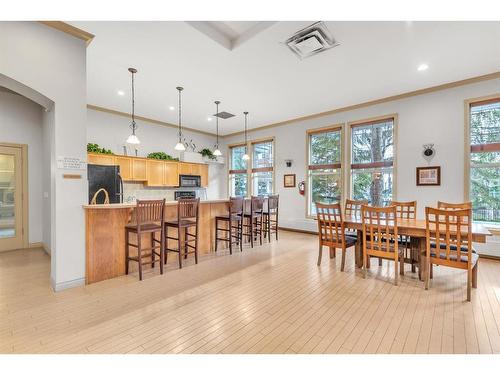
pixel 46 249
pixel 67 284
pixel 298 230
pixel 35 245
pixel 491 257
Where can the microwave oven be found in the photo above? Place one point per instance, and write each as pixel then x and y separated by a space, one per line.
pixel 189 181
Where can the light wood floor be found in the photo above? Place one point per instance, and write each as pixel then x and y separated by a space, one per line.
pixel 270 299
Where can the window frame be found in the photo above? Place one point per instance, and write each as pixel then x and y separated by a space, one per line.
pixel 468 103
pixel 250 170
pixel 380 165
pixel 336 127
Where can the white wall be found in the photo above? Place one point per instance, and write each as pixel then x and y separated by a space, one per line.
pixel 54 64
pixel 431 118
pixel 110 131
pixel 21 122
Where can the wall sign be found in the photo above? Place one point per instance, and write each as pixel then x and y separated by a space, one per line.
pixel 65 162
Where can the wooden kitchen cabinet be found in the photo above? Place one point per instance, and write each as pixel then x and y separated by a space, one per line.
pixel 185 168
pixel 171 174
pixel 155 173
pixel 139 169
pixel 125 164
pixel 101 159
pixel 204 174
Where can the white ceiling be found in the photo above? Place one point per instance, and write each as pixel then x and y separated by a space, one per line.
pixel 374 60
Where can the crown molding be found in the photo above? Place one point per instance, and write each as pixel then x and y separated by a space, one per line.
pixel 70 29
pixel 147 119
pixel 405 95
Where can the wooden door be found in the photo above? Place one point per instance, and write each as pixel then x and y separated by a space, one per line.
pixel 11 198
pixel 155 173
pixel 125 164
pixel 171 174
pixel 139 169
pixel 204 174
pixel 101 159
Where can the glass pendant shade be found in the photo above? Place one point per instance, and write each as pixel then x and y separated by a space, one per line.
pixel 245 157
pixel 217 152
pixel 180 146
pixel 133 140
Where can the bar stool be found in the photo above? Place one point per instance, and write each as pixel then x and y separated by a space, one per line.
pixel 234 216
pixel 149 219
pixel 187 217
pixel 254 222
pixel 271 216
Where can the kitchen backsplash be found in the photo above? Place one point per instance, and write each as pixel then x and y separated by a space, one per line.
pixel 133 191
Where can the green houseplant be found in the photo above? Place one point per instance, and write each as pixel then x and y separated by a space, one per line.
pixel 94 148
pixel 160 155
pixel 207 153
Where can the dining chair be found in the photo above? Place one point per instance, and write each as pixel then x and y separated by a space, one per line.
pixel 380 236
pixel 407 211
pixel 449 243
pixel 148 220
pixel 254 219
pixel 331 231
pixel 454 206
pixel 271 217
pixel 353 208
pixel 234 229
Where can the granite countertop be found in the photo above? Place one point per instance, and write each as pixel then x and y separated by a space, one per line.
pixel 132 205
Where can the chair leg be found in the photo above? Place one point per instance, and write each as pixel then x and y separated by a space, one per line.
pixel 251 232
pixel 474 276
pixel 139 254
pixel 402 264
pixel 431 271
pixel 379 261
pixel 196 244
pixel 126 252
pixel 240 234
pixel 396 273
pixel 230 237
pixel 165 244
pixel 425 271
pixel 343 259
pixel 162 250
pixel 366 260
pixel 216 234
pixel 152 250
pixel 320 253
pixel 333 252
pixel 276 227
pixel 469 284
pixel 179 244
pixel 185 243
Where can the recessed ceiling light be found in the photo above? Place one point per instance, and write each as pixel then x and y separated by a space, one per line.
pixel 121 93
pixel 422 67
pixel 209 118
pixel 171 107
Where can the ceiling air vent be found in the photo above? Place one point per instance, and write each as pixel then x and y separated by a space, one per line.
pixel 313 39
pixel 224 115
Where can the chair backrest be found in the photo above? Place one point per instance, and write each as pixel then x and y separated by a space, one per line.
pixel 256 204
pixel 330 223
pixel 187 208
pixel 454 206
pixel 405 210
pixel 380 229
pixel 450 233
pixel 236 205
pixel 272 203
pixel 353 207
pixel 149 211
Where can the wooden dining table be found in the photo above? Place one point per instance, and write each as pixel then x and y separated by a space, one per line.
pixel 414 228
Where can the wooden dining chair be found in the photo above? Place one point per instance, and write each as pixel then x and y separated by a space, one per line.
pixel 454 206
pixel 380 236
pixel 148 220
pixel 233 229
pixel 271 217
pixel 449 243
pixel 254 220
pixel 407 211
pixel 331 231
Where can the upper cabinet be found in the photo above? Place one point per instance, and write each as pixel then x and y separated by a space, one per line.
pixel 151 171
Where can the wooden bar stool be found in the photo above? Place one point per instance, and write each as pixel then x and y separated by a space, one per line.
pixel 234 216
pixel 271 217
pixel 187 217
pixel 254 220
pixel 149 219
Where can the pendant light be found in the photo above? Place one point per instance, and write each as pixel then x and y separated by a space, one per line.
pixel 180 146
pixel 132 138
pixel 216 148
pixel 245 156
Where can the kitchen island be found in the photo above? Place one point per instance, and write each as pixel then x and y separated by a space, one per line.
pixel 105 235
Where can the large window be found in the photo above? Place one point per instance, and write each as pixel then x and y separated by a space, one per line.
pixel 324 167
pixel 238 177
pixel 262 168
pixel 484 135
pixel 258 170
pixel 372 154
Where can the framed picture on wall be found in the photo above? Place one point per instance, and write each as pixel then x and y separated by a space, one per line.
pixel 289 180
pixel 428 176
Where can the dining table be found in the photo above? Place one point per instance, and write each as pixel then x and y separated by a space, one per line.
pixel 415 229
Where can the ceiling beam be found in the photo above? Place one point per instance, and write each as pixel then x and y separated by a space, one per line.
pixel 70 29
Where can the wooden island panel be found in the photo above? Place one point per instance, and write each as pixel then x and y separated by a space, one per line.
pixel 105 236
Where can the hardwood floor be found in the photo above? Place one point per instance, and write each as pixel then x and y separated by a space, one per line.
pixel 270 299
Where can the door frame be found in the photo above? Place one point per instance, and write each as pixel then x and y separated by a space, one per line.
pixel 24 189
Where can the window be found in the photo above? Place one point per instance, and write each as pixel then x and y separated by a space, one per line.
pixel 259 169
pixel 262 168
pixel 484 176
pixel 372 149
pixel 238 178
pixel 324 167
